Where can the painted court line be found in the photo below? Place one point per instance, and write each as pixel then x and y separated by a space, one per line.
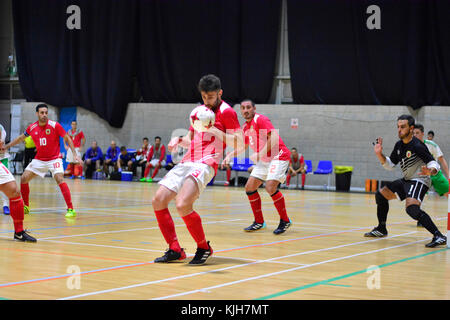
pixel 202 273
pixel 328 282
pixel 281 272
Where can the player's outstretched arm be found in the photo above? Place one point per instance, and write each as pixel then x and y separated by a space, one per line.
pixel 16 141
pixel 444 166
pixel 72 147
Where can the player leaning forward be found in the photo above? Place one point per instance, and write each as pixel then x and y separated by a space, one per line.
pixel 45 134
pixel 186 181
pixel 8 186
pixel 417 165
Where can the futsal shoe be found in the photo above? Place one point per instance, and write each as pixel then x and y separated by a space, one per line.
pixel 149 180
pixel 143 180
pixel 71 213
pixel 171 255
pixel 201 255
pixel 437 240
pixel 26 209
pixel 6 210
pixel 255 226
pixel 376 233
pixel 23 236
pixel 282 227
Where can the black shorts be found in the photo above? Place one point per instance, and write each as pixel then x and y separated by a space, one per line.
pixel 408 189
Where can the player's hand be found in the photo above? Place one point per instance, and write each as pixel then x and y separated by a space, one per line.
pixel 173 143
pixel 254 157
pixel 426 172
pixel 78 159
pixel 378 146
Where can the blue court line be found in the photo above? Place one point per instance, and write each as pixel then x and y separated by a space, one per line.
pixel 327 282
pixel 74 274
pixel 116 240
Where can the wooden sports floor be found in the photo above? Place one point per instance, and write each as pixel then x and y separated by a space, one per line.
pixel 107 251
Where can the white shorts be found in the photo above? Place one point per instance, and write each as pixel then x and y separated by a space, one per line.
pixel 273 170
pixel 202 174
pixel 42 167
pixel 5 175
pixel 69 155
pixel 154 162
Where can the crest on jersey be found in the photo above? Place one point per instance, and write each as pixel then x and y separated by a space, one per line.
pixel 47 131
pixel 408 154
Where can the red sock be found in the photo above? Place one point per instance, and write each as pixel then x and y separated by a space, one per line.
pixel 78 170
pixel 195 227
pixel 303 179
pixel 25 191
pixel 16 210
pixel 255 203
pixel 70 168
pixel 147 171
pixel 155 172
pixel 288 179
pixel 66 194
pixel 228 174
pixel 167 228
pixel 278 201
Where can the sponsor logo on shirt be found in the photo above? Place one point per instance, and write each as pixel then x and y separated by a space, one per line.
pixel 47 131
pixel 408 154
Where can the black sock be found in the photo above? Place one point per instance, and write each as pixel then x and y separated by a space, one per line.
pixel 382 210
pixel 428 224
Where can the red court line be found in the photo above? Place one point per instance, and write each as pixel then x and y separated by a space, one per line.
pixel 69 255
pixel 226 250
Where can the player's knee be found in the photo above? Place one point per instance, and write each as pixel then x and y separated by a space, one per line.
pixel 183 206
pixel 379 198
pixel 414 211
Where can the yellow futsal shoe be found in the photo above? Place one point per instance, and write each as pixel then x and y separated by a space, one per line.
pixel 71 213
pixel 26 209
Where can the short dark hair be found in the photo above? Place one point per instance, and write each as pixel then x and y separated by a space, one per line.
pixel 209 83
pixel 41 105
pixel 411 121
pixel 123 148
pixel 145 138
pixel 431 132
pixel 249 100
pixel 294 149
pixel 158 137
pixel 419 126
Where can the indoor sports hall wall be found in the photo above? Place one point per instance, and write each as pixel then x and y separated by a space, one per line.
pixel 343 134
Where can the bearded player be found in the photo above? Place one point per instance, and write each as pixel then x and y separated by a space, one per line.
pixel 272 161
pixel 186 181
pixel 45 134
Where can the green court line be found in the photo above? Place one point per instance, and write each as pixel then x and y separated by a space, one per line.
pixel 337 285
pixel 327 282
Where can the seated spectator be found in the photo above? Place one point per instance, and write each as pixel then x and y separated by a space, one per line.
pixel 141 157
pixel 126 159
pixel 296 166
pixel 93 159
pixel 111 158
pixel 155 159
pixel 176 157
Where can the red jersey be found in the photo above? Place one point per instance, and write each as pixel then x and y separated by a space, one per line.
pixel 76 137
pixel 46 139
pixel 296 163
pixel 154 153
pixel 255 133
pixel 205 147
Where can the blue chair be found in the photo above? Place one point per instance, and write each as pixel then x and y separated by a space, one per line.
pixel 325 167
pixel 309 166
pixel 168 158
pixel 240 166
pixel 132 152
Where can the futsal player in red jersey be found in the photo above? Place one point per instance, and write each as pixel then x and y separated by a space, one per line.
pixel 45 134
pixel 8 186
pixel 186 181
pixel 78 140
pixel 272 161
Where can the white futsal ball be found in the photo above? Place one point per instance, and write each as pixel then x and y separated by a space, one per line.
pixel 202 118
